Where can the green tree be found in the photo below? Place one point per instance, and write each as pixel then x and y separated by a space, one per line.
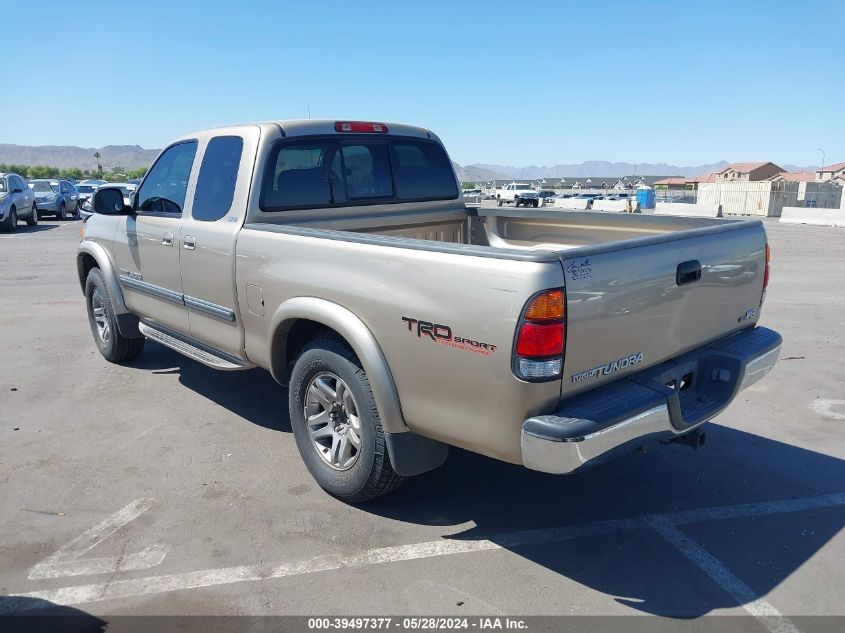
pixel 72 173
pixel 42 171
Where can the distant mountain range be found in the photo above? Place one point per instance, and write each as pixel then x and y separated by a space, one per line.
pixel 134 156
pixel 66 156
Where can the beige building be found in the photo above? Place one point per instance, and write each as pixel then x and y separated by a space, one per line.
pixel 794 176
pixel 831 172
pixel 748 172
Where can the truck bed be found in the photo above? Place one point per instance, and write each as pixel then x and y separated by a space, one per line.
pixel 620 273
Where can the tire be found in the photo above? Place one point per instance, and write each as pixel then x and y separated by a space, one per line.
pixel 535 204
pixel 10 224
pixel 32 220
pixel 516 202
pixel 498 202
pixel 62 214
pixel 323 364
pixel 114 347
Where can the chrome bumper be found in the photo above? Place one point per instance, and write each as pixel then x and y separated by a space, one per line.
pixel 587 430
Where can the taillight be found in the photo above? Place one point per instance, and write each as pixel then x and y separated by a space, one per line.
pixel 360 127
pixel 766 274
pixel 541 337
pixel 768 261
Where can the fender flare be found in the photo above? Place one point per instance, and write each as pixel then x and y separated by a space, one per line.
pixel 87 247
pixel 359 337
pixel 127 322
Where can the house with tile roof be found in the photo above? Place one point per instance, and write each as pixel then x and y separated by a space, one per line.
pixel 748 172
pixel 831 172
pixel 794 176
pixel 703 179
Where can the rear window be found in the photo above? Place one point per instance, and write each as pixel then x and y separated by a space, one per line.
pixel 423 171
pixel 300 177
pixel 366 170
pixel 347 171
pixel 44 187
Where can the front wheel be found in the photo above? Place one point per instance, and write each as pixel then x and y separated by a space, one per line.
pixel 32 220
pixel 62 214
pixel 498 202
pixel 10 224
pixel 336 423
pixel 535 204
pixel 114 347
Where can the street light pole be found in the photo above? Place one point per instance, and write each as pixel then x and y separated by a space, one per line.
pixel 821 170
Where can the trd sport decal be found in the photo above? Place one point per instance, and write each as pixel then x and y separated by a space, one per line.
pixel 442 334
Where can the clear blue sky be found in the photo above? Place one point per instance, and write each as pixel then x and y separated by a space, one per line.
pixel 513 83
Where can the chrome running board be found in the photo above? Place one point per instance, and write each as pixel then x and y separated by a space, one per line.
pixel 206 356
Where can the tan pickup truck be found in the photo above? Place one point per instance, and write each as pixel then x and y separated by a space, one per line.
pixel 340 257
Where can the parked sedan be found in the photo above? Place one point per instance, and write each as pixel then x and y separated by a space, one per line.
pixel 16 202
pixel 55 197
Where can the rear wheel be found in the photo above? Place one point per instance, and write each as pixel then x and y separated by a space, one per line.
pixel 535 204
pixel 114 347
pixel 32 220
pixel 336 423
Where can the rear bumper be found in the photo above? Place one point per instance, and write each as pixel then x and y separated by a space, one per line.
pixel 44 205
pixel 649 405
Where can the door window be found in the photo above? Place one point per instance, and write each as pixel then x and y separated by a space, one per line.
pixel 217 178
pixel 166 184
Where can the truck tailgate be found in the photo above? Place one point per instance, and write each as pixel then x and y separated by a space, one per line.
pixel 633 304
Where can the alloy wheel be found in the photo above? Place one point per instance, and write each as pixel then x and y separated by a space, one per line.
pixel 98 308
pixel 333 422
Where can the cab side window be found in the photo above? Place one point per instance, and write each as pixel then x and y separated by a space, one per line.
pixel 166 184
pixel 217 178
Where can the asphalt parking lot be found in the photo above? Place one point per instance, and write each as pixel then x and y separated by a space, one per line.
pixel 164 487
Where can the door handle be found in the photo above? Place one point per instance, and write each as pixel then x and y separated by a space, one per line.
pixel 167 239
pixel 189 242
pixel 688 272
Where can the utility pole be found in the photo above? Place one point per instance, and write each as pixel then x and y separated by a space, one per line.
pixel 821 169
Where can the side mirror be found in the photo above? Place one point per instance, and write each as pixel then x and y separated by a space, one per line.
pixel 109 201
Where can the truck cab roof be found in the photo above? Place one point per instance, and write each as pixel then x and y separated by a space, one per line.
pixel 313 127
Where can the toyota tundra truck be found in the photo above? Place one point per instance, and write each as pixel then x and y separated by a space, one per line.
pixel 340 257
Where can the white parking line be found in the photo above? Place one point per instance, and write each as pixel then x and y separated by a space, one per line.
pixel 665 524
pixel 770 617
pixel 68 561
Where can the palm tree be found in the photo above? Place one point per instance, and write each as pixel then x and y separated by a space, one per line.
pixel 99 167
